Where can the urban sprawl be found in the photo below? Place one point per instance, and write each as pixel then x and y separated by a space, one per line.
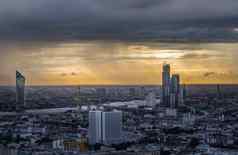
pixel 171 119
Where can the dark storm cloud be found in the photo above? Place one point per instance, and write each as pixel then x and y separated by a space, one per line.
pixel 166 20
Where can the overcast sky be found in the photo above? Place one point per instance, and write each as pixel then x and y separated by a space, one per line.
pixel 67 41
pixel 120 20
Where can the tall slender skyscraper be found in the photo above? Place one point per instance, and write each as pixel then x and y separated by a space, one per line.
pixel 95 127
pixel 174 91
pixel 20 91
pixel 166 85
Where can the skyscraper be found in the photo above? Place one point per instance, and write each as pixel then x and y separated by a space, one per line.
pixel 174 91
pixel 172 102
pixel 111 127
pixel 20 91
pixel 95 127
pixel 105 127
pixel 166 84
pixel 175 83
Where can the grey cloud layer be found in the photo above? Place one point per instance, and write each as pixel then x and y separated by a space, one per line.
pixel 211 20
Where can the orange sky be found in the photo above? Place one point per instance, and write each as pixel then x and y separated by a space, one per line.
pixel 107 62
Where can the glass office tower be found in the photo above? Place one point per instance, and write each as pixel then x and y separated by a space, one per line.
pixel 20 91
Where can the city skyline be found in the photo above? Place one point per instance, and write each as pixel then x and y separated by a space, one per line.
pixel 127 77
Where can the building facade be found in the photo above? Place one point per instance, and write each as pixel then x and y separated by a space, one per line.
pixel 175 91
pixel 105 127
pixel 166 85
pixel 95 127
pixel 111 127
pixel 20 91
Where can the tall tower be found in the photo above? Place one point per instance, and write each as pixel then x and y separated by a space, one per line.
pixel 175 91
pixel 111 127
pixel 166 84
pixel 20 91
pixel 95 127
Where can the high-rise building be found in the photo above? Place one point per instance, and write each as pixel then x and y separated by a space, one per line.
pixel 95 127
pixel 174 91
pixel 166 84
pixel 175 83
pixel 105 127
pixel 172 100
pixel 111 127
pixel 20 91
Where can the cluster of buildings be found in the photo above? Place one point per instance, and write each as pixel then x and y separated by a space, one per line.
pixel 172 92
pixel 126 120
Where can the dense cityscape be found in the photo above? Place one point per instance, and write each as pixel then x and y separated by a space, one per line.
pixel 118 77
pixel 171 119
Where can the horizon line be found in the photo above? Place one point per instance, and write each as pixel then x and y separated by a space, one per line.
pixel 77 85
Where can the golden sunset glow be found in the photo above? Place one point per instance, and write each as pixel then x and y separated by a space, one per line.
pixel 99 62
